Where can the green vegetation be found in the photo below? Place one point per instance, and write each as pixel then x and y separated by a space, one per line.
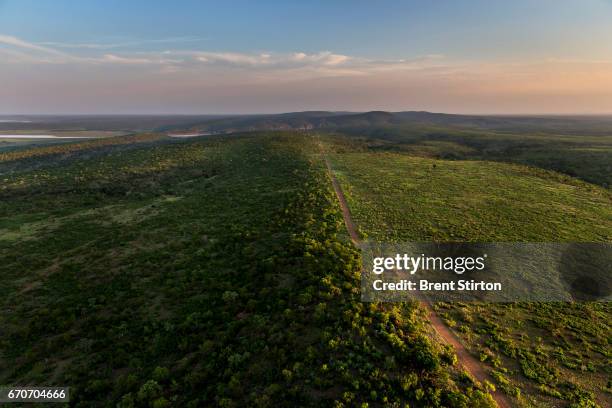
pixel 396 196
pixel 545 352
pixel 539 354
pixel 587 157
pixel 62 149
pixel 149 272
pixel 579 146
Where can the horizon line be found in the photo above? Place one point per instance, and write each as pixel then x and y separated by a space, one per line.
pixel 307 111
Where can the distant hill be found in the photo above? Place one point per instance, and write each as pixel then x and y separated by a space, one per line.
pixel 593 125
pixel 308 120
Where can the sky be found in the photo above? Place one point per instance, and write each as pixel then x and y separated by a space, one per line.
pixel 203 57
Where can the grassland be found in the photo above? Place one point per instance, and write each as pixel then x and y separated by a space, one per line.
pixel 585 156
pixel 147 271
pixel 540 354
pixel 398 196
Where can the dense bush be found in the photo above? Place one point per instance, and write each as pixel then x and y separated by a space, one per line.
pixel 209 272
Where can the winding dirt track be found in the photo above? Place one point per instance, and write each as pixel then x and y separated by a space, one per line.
pixel 346 214
pixel 466 360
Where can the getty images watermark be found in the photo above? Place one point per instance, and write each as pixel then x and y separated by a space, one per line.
pixel 493 272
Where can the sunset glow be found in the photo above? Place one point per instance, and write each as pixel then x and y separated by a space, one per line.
pixel 528 57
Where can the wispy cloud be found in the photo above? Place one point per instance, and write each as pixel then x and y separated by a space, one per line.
pixel 20 51
pixel 217 81
pixel 125 44
pixel 42 52
pixel 268 60
pixel 115 59
pixel 170 61
pixel 16 42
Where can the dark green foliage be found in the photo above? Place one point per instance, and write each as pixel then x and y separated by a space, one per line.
pixel 208 272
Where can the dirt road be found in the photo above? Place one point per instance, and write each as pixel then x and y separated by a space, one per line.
pixel 346 214
pixel 472 365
